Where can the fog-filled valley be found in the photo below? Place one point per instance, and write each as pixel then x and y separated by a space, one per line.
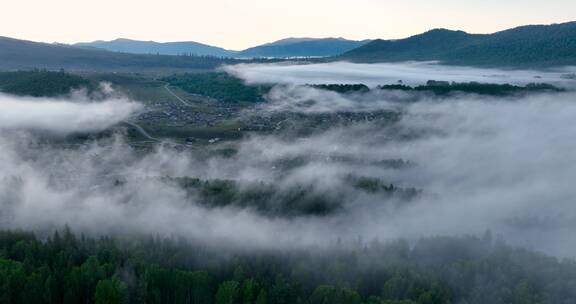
pixel 327 183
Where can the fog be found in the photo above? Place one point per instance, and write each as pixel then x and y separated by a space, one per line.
pixel 504 165
pixel 305 99
pixel 63 116
pixel 411 73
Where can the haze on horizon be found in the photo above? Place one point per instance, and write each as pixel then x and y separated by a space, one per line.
pixel 241 24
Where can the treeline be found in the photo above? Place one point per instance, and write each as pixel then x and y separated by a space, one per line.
pixel 296 200
pixel 342 88
pixel 444 88
pixel 226 88
pixel 42 83
pixel 65 268
pixel 220 86
pixel 533 46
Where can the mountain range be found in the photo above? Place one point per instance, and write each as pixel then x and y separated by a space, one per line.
pixel 285 48
pixel 525 46
pixel 533 46
pixel 22 54
pixel 152 47
pixel 302 47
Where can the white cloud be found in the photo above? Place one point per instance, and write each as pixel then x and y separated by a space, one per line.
pixel 62 115
pixel 412 73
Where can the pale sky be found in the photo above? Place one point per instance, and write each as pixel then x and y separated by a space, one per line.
pixel 238 24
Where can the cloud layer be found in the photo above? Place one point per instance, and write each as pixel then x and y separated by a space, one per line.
pixel 62 116
pixel 412 73
pixel 499 164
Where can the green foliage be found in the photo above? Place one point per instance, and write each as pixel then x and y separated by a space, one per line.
pixel 110 291
pixel 262 297
pixel 527 46
pixel 327 294
pixel 490 89
pixel 41 83
pixel 66 269
pixel 343 88
pixel 228 293
pixel 287 201
pixel 220 86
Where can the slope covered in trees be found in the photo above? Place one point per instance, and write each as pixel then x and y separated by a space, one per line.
pixel 21 54
pixel 220 86
pixel 66 268
pixel 527 46
pixel 285 48
pixel 302 47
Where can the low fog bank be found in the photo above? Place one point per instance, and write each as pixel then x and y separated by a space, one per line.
pixel 77 113
pixel 482 163
pixel 410 73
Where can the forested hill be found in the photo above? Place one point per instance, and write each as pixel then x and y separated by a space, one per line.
pixel 66 268
pixel 526 46
pixel 302 47
pixel 152 47
pixel 21 54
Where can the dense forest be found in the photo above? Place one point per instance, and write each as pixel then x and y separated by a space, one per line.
pixel 301 47
pixel 444 88
pixel 226 88
pixel 491 89
pixel 220 86
pixel 42 83
pixel 66 268
pixel 296 200
pixel 342 88
pixel 527 46
pixel 22 54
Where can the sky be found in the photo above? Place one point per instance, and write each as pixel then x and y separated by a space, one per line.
pixel 238 24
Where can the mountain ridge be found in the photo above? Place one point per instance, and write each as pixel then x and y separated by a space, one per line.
pixel 530 45
pixel 302 47
pixel 24 54
pixel 283 48
pixel 132 46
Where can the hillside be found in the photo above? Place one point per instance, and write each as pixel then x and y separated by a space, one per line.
pixel 22 54
pixel 526 46
pixel 290 47
pixel 302 47
pixel 152 47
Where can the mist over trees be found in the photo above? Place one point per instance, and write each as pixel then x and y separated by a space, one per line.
pixel 352 192
pixel 67 268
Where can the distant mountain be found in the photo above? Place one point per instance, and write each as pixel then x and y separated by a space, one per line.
pixel 22 54
pixel 526 46
pixel 302 47
pixel 151 47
